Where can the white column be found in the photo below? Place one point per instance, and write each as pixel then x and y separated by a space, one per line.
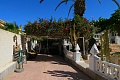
pixel 92 59
pixel 65 42
pixel 77 54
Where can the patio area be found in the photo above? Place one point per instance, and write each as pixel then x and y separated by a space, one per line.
pixel 48 67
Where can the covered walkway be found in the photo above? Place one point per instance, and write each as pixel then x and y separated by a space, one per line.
pixel 48 67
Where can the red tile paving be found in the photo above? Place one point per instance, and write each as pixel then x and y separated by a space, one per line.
pixel 48 67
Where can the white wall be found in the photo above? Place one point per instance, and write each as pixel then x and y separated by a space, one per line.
pixel 6 46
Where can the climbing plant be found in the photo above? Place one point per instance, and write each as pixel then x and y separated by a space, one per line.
pixel 50 27
pixel 68 28
pixel 42 27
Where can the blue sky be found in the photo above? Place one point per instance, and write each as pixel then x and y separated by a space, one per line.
pixel 22 11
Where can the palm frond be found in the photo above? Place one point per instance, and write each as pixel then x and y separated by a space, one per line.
pixel 116 3
pixel 64 1
pixel 99 1
pixel 70 9
pixel 41 1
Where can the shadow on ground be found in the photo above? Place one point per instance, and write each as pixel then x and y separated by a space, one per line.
pixel 71 75
pixel 54 59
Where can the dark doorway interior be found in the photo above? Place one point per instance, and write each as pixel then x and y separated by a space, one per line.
pixel 50 46
pixel 80 43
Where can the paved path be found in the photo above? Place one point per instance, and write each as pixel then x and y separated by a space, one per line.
pixel 48 67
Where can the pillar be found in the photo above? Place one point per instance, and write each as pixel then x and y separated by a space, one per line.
pixel 92 59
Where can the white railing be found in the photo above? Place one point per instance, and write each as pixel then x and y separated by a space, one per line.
pixel 68 53
pixel 109 69
pixel 75 56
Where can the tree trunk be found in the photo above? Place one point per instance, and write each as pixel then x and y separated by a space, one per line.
pixel 79 7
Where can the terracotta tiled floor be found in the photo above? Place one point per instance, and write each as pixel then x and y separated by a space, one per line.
pixel 48 67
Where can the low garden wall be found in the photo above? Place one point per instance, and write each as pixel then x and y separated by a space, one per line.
pixel 96 69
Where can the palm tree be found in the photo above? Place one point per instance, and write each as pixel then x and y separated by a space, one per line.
pixel 79 9
pixel 12 27
pixel 79 6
